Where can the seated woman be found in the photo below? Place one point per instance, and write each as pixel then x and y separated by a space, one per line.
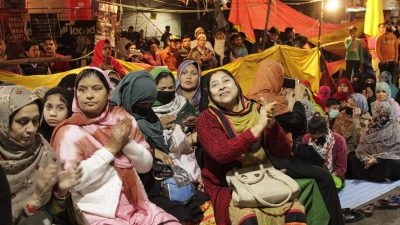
pixel 368 90
pixel 188 82
pixel 343 91
pixel 112 150
pixel 103 58
pixel 348 121
pixel 136 93
pixel 270 76
pixel 383 94
pixel 330 146
pixel 387 78
pixel 57 106
pixel 178 118
pixel 38 188
pixel 233 139
pixel 203 55
pixel 377 157
pixel 5 199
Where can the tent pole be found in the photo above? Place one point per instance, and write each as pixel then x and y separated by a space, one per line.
pixel 266 25
pixel 321 18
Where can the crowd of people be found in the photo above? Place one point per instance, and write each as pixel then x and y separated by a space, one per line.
pixel 110 147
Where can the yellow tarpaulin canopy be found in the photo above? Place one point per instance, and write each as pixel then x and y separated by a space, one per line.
pixel 302 64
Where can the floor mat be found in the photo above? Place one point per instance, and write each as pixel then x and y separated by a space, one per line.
pixel 358 192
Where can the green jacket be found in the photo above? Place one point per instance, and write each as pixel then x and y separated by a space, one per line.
pixel 354 55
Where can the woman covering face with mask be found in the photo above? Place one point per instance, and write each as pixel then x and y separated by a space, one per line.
pixel 330 146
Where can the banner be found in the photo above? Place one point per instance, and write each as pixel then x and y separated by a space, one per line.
pixel 106 23
pixel 12 25
pixel 302 64
pixel 44 25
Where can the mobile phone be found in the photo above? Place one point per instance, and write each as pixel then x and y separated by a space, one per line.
pixel 134 52
pixel 289 83
pixel 107 60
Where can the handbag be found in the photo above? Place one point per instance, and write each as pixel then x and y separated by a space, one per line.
pixel 261 186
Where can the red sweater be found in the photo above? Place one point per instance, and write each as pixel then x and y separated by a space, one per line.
pixel 339 153
pixel 222 154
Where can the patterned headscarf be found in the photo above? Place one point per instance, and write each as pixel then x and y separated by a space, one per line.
pixel 20 162
pixel 361 102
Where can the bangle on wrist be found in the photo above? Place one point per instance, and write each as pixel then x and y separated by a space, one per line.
pixel 29 210
pixel 59 197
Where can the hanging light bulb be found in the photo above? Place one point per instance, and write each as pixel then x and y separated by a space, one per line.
pixel 332 5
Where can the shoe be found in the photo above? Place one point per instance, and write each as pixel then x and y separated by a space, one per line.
pixel 386 204
pixel 368 209
pixel 352 215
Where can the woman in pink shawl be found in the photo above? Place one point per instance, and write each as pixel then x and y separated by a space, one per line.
pixel 103 50
pixel 344 89
pixel 111 150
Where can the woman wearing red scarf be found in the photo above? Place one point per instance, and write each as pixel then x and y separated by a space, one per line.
pixel 103 49
pixel 343 91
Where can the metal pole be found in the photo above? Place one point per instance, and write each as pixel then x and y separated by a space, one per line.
pixel 321 18
pixel 266 24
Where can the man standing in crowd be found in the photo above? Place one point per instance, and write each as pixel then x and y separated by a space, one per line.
pixel 170 54
pixel 354 53
pixel 50 47
pixel 387 51
pixel 31 49
pixel 3 57
pixel 165 36
pixel 185 49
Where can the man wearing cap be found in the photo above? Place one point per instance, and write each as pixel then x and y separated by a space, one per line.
pixel 197 32
pixel 170 54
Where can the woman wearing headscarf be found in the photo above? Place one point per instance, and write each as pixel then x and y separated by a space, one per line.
pixel 188 82
pixel 269 80
pixel 343 90
pixel 308 96
pixel 39 190
pixel 324 93
pixel 231 132
pixel 57 106
pixel 387 78
pixel 347 123
pixel 369 78
pixel 112 151
pixel 103 58
pixel 377 158
pixel 136 93
pixel 269 77
pixel 383 94
pixel 178 118
pixel 316 98
pixel 368 91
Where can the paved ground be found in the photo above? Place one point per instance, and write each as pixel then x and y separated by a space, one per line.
pixel 382 217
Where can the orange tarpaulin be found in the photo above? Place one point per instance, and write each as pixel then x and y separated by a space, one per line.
pixel 251 14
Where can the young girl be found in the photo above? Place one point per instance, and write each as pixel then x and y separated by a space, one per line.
pixel 57 106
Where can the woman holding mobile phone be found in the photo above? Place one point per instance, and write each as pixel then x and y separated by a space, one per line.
pixel 103 58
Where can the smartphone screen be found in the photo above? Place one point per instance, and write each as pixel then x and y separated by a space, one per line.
pixel 289 83
pixel 107 60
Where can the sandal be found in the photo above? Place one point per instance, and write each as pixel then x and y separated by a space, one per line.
pixel 352 215
pixel 386 204
pixel 368 209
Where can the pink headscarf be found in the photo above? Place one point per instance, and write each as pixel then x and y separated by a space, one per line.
pixel 324 93
pixel 98 134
